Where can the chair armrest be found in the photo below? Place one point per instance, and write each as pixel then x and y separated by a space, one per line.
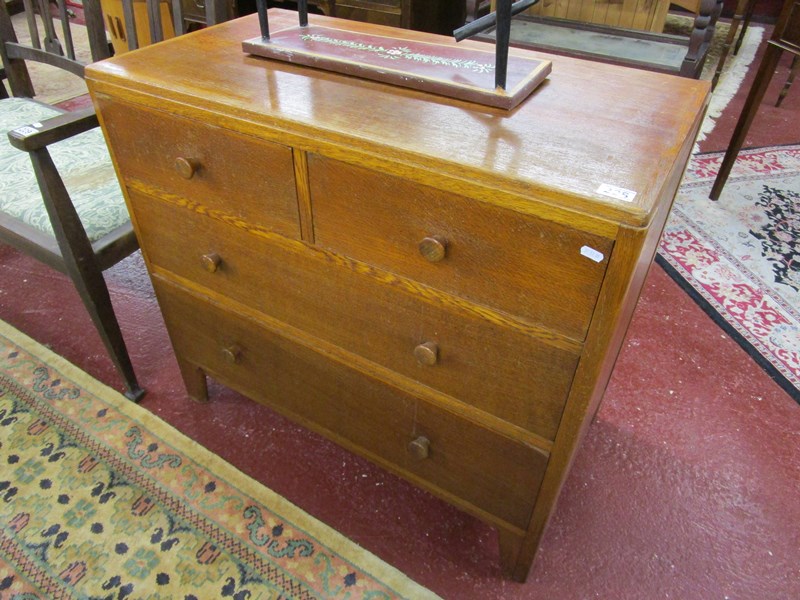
pixel 54 129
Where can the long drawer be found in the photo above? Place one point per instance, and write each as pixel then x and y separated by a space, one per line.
pixel 449 454
pixel 498 369
pixel 547 273
pixel 252 180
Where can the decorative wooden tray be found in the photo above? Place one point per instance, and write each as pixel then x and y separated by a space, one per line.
pixel 440 68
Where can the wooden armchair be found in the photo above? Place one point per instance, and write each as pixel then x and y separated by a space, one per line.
pixel 60 201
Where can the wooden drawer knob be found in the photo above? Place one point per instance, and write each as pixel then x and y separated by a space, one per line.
pixel 427 353
pixel 186 167
pixel 211 261
pixel 420 448
pixel 433 248
pixel 232 354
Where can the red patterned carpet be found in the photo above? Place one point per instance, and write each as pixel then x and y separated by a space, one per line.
pixel 740 256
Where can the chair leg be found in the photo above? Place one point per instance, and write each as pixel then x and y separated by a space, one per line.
pixel 789 80
pixel 765 71
pixel 748 16
pixel 92 288
pixel 81 265
pixel 736 20
pixel 3 91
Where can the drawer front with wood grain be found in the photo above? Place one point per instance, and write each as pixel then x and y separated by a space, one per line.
pixel 450 454
pixel 520 264
pixel 508 373
pixel 252 180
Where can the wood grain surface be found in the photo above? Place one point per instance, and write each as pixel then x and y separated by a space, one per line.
pixel 589 124
pixel 439 286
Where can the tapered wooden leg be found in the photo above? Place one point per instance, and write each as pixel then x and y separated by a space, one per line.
pixel 93 292
pixel 795 68
pixel 748 16
pixel 80 263
pixel 736 20
pixel 510 546
pixel 194 378
pixel 765 71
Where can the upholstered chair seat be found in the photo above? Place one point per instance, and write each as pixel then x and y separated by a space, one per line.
pixel 85 167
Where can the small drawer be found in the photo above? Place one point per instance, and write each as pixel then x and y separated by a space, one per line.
pixel 520 264
pixel 491 366
pixel 495 473
pixel 450 455
pixel 241 176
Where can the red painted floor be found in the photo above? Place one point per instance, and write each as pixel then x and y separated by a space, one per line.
pixel 686 486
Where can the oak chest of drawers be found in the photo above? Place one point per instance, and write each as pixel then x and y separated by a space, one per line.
pixel 438 286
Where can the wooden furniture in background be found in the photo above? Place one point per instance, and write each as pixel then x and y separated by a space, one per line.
pixel 731 40
pixel 114 17
pixel 630 14
pixel 133 24
pixel 436 285
pixel 477 8
pixel 435 16
pixel 627 33
pixel 83 239
pixel 193 14
pixel 785 37
pixel 395 13
pixel 197 11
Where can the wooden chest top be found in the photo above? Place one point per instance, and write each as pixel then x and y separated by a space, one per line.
pixel 589 125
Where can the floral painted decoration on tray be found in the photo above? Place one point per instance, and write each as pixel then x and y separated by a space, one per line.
pixel 401 52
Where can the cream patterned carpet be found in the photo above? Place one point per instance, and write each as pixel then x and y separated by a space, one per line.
pixel 99 498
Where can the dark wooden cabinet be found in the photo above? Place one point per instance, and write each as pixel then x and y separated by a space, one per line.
pixel 395 13
pixel 194 11
pixel 438 286
pixel 434 16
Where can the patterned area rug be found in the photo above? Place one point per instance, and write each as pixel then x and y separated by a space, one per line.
pixel 101 499
pixel 740 256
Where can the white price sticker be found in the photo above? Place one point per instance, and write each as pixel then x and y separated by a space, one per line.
pixel 25 130
pixel 619 193
pixel 592 254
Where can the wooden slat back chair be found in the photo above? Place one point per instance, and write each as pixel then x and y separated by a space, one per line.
pixel 133 24
pixel 60 201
